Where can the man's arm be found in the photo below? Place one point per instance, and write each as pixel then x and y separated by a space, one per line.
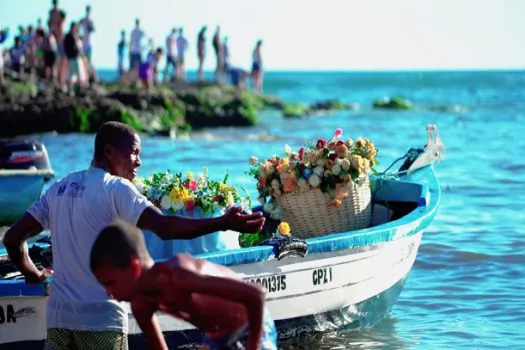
pixel 15 243
pixel 179 227
pixel 251 296
pixel 144 313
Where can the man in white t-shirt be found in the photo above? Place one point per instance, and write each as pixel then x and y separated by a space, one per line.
pixel 76 208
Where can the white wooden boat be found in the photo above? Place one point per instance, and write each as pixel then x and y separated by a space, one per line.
pixel 349 279
pixel 24 169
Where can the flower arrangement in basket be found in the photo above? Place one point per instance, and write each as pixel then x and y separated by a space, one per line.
pixel 175 193
pixel 322 188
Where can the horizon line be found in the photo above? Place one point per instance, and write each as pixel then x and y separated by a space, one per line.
pixel 367 70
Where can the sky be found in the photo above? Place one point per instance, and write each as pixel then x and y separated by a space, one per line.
pixel 313 35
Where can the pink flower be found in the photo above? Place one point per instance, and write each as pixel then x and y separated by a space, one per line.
pixel 301 153
pixel 193 185
pixel 190 204
pixel 338 133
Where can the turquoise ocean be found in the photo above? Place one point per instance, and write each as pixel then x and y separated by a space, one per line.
pixel 467 287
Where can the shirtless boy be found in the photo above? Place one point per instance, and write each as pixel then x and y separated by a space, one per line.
pixel 213 298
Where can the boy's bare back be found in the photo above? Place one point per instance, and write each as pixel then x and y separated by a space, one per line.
pixel 169 287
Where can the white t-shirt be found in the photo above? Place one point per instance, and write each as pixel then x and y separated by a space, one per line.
pixel 171 45
pixel 135 45
pixel 76 209
pixel 182 45
pixel 86 24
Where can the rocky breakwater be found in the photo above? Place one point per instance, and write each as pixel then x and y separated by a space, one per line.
pixel 28 107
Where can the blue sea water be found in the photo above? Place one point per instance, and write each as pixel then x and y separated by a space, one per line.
pixel 467 287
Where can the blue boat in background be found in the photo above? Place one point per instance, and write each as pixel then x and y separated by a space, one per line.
pixel 348 279
pixel 24 169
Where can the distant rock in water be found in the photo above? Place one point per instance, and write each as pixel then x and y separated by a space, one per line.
pixel 291 110
pixel 36 106
pixel 393 103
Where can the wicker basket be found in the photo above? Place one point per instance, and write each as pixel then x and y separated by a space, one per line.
pixel 310 215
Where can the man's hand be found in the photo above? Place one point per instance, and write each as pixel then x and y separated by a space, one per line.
pixel 38 276
pixel 235 220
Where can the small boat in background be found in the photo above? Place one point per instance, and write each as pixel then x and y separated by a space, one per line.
pixel 24 169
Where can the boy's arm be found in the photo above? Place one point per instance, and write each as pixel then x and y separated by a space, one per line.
pixel 144 313
pixel 251 296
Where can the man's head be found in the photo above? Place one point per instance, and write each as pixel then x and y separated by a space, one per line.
pixel 55 4
pixel 117 148
pixel 117 259
pixel 74 27
pixel 88 10
pixel 137 22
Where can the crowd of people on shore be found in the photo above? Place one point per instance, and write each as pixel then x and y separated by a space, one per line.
pixel 66 57
pixel 52 53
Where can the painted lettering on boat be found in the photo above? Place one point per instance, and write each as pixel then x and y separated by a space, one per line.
pixel 7 314
pixel 271 283
pixel 322 276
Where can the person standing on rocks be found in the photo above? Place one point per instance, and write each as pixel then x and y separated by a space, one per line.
pixel 17 56
pixel 171 54
pixel 4 34
pixel 257 68
pixel 121 48
pixel 182 45
pixel 217 47
pixel 74 53
pixel 50 51
pixel 56 21
pixel 87 27
pixel 201 52
pixel 135 50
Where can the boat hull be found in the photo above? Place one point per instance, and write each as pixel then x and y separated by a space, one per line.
pixel 358 288
pixel 17 192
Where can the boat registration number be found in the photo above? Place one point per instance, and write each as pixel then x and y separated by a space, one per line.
pixel 272 284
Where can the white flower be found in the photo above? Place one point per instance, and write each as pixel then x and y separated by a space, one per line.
pixel 165 202
pixel 338 161
pixel 314 181
pixel 336 170
pixel 275 184
pixel 268 207
pixel 303 185
pixel 178 205
pixel 139 185
pixel 284 176
pixel 345 164
pixel 274 157
pixel 230 200
pixel 253 160
pixel 287 149
pixel 319 170
pixel 261 200
pixel 320 162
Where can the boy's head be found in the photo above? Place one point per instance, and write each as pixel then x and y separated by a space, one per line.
pixel 117 259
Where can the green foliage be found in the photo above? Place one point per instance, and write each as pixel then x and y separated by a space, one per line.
pixel 292 110
pixel 81 119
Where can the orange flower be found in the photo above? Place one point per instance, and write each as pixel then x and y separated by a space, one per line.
pixel 290 183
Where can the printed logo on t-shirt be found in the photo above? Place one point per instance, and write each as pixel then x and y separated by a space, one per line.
pixel 62 189
pixel 76 190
